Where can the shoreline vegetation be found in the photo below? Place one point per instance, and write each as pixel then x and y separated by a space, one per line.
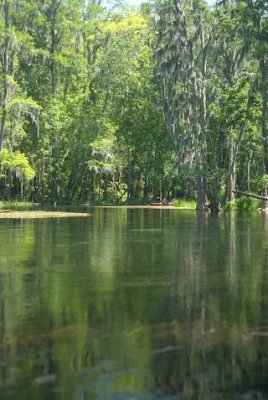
pixel 18 210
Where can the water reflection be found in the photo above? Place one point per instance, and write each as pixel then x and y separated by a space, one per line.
pixel 134 304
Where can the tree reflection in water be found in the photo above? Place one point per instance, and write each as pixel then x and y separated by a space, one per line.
pixel 134 304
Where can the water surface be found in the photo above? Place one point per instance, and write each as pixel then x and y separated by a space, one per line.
pixel 134 305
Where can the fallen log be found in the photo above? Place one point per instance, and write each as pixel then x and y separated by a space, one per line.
pixel 255 196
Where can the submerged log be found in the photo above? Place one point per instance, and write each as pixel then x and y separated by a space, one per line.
pixel 255 196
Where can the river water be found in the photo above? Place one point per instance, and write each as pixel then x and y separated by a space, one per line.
pixel 134 304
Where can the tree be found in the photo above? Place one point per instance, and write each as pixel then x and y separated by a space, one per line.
pixel 182 56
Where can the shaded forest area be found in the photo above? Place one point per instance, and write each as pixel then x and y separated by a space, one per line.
pixel 111 103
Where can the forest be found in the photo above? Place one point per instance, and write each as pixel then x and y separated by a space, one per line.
pixel 101 102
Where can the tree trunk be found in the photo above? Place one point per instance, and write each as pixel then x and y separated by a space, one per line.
pixel 52 17
pixel 264 83
pixel 54 176
pixel 52 54
pixel 5 74
pixel 248 174
pixel 130 183
pixel 201 197
pixel 255 196
pixel 230 178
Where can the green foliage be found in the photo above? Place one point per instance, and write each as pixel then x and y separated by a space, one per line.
pixel 230 205
pixel 260 183
pixel 18 205
pixel 82 99
pixel 184 204
pixel 246 203
pixel 17 163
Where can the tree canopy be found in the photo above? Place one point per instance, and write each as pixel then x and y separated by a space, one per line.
pixel 119 103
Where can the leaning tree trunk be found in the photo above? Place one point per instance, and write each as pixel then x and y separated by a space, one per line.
pixel 255 196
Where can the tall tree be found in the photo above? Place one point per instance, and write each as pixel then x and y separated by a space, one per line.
pixel 182 55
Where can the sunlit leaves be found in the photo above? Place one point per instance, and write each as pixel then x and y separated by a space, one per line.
pixel 131 23
pixel 16 162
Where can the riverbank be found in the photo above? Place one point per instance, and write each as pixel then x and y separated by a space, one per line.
pixel 36 210
pixel 8 214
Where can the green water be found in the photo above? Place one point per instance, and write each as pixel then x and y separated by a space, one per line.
pixel 134 304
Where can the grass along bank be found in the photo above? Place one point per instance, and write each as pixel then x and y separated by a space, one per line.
pixel 18 205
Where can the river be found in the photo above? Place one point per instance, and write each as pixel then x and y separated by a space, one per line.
pixel 134 304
